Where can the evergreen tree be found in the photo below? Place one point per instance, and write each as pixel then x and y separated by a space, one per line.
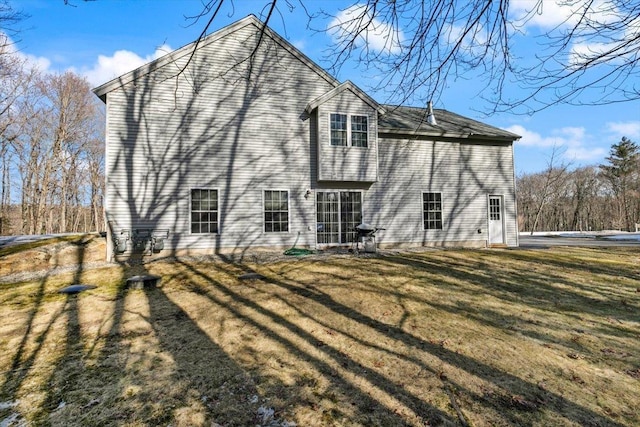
pixel 623 175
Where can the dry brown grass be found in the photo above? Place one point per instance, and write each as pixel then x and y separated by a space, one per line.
pixel 456 337
pixel 52 253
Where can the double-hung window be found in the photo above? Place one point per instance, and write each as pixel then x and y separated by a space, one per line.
pixel 349 130
pixel 204 211
pixel 339 129
pixel 432 211
pixel 359 131
pixel 276 211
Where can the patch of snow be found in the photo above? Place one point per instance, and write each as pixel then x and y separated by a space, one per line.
pixel 266 418
pixel 13 420
pixel 629 236
pixel 265 415
pixel 14 240
pixel 8 404
pixel 577 235
pixel 605 234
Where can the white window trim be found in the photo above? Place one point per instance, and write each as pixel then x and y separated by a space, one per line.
pixel 330 130
pixel 264 224
pixel 432 230
pixel 349 141
pixel 217 210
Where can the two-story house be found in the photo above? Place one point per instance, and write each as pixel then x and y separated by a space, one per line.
pixel 244 142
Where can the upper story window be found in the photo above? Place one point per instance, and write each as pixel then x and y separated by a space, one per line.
pixel 339 129
pixel 204 211
pixel 359 131
pixel 432 211
pixel 349 128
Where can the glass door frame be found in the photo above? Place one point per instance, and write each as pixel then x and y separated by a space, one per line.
pixel 340 232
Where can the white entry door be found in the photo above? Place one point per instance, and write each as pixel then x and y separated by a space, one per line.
pixel 496 222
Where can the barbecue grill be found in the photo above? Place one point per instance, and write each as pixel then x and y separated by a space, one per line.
pixel 365 234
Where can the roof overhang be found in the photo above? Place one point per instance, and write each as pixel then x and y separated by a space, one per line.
pixel 404 133
pixel 346 86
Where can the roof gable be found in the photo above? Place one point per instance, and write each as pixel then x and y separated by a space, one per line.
pixel 346 86
pixel 171 57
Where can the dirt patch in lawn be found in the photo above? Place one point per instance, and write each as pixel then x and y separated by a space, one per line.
pixel 455 337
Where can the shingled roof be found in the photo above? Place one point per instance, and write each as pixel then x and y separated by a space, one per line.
pixel 413 121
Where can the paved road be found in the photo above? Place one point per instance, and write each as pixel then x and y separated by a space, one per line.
pixel 548 241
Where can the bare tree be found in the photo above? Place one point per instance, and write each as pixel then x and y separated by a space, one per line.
pixel 95 169
pixel 57 128
pixel 9 19
pixel 16 80
pixel 592 54
pixel 72 111
pixel 548 186
pixel 13 80
pixel 586 191
pixel 417 48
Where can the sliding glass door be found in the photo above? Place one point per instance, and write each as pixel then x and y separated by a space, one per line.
pixel 338 213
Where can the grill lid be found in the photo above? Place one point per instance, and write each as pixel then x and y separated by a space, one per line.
pixel 365 227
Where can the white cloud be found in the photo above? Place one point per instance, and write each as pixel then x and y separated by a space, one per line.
pixel 121 62
pixel 545 15
pixel 377 35
pixel 39 62
pixel 549 14
pixel 585 154
pixel 105 68
pixel 533 139
pixel 582 53
pixel 593 40
pixel 629 129
pixel 572 142
pixel 474 42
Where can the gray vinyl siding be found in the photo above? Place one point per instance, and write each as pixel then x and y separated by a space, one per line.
pixel 337 163
pixel 227 133
pixel 488 168
pixel 213 127
pixel 465 174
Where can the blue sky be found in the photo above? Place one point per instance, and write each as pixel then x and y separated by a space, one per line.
pixel 102 39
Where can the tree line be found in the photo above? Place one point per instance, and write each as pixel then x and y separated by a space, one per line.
pixel 589 198
pixel 51 150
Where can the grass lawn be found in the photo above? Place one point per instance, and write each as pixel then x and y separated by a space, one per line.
pixel 443 337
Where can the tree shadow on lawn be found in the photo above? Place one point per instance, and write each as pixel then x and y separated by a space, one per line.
pixel 347 377
pixel 123 356
pixel 34 347
pixel 607 316
pixel 512 384
pixel 565 258
pixel 511 411
pixel 533 293
pixel 550 292
pixel 152 362
pixel 156 367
